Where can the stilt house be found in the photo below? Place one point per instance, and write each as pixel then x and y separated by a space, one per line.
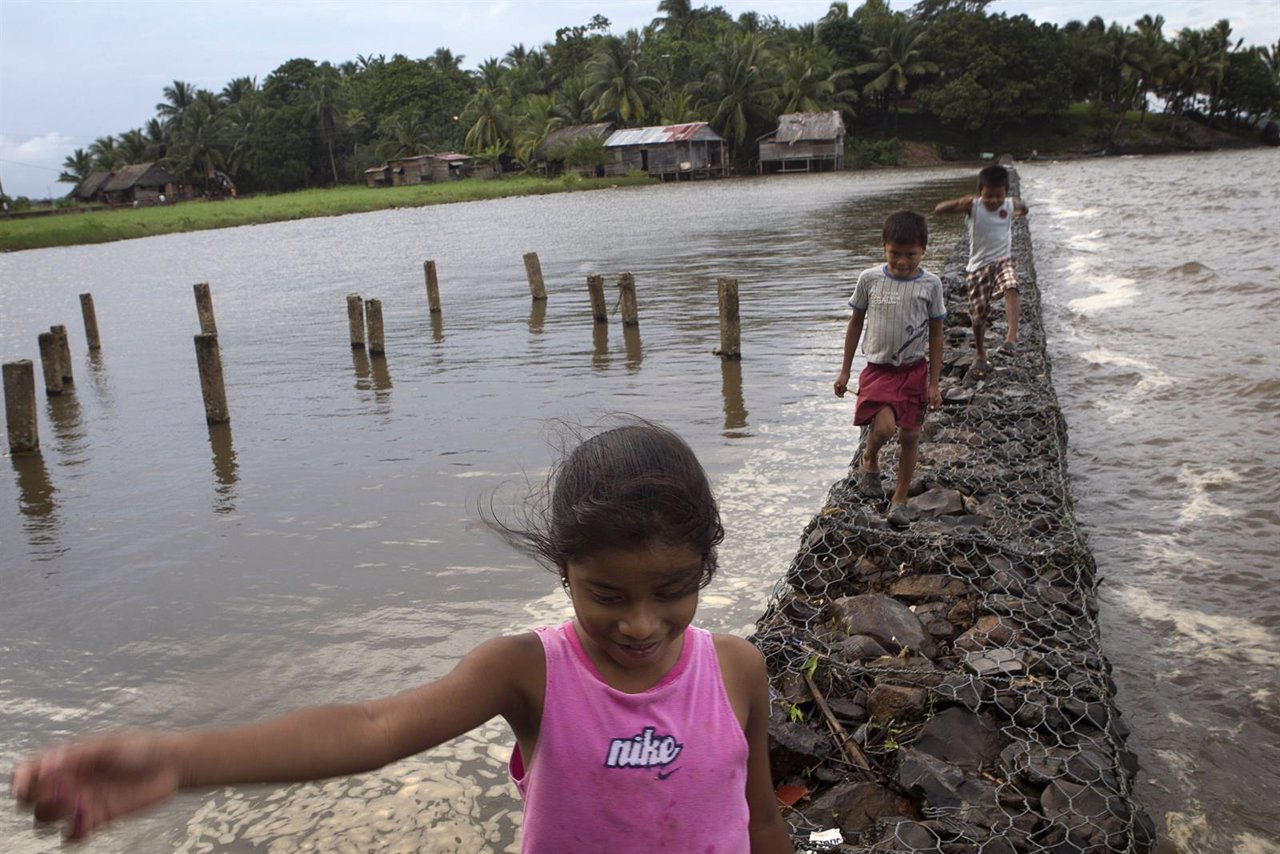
pixel 804 142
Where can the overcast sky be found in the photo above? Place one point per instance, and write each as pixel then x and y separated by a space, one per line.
pixel 75 70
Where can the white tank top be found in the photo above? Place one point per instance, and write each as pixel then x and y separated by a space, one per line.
pixel 990 234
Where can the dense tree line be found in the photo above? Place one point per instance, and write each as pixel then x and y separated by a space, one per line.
pixel 314 124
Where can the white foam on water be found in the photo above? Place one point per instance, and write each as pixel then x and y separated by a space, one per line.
pixel 1201 506
pixel 1187 832
pixel 1247 843
pixel 1111 291
pixel 1206 637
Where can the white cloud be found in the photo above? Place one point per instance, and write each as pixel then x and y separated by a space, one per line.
pixel 30 167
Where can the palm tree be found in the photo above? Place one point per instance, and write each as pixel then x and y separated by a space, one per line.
pixel 678 19
pixel 809 82
pixel 444 60
pixel 323 94
pixel 76 167
pixel 735 88
pixel 618 86
pixel 405 133
pixel 488 113
pixel 106 154
pixel 1148 57
pixel 237 90
pixel 199 141
pixel 177 99
pixel 534 118
pixel 895 64
pixel 134 147
pixel 240 124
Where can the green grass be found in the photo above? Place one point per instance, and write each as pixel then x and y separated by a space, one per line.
pixel 101 226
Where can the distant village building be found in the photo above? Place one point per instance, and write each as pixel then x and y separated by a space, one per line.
pixel 427 168
pixel 140 183
pixel 804 142
pixel 681 152
pixel 90 189
pixel 548 158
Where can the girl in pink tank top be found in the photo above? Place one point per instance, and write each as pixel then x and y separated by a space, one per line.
pixel 635 731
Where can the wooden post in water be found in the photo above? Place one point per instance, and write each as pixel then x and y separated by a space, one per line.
pixel 595 287
pixel 630 311
pixel 214 391
pixel 373 313
pixel 204 308
pixel 90 322
pixel 20 406
pixel 64 352
pixel 50 363
pixel 730 326
pixel 355 320
pixel 533 269
pixel 433 286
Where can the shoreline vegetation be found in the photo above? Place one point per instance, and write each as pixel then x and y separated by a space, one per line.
pixel 86 225
pixel 98 224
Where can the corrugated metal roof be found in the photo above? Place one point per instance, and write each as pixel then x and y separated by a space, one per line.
pixel 794 127
pixel 661 135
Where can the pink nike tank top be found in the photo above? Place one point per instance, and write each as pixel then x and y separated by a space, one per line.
pixel 665 770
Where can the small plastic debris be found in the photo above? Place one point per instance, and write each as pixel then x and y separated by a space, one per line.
pixel 827 837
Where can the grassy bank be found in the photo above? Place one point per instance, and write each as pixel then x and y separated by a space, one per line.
pixel 101 226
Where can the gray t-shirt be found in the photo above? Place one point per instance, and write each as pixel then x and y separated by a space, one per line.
pixel 895 330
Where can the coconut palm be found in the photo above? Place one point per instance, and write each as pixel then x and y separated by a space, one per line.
pixel 735 88
pixel 134 147
pixel 1148 58
pixel 76 167
pixel 106 154
pixel 895 64
pixel 809 81
pixel 237 90
pixel 199 142
pixel 323 93
pixel 177 99
pixel 405 134
pixel 618 87
pixel 489 115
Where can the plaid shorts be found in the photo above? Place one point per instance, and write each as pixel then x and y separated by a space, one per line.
pixel 987 283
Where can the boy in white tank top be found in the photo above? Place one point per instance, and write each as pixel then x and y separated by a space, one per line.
pixel 990 271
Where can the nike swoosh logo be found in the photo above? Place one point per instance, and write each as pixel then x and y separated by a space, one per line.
pixel 662 776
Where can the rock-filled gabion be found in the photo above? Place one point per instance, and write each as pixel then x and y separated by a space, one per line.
pixel 942 688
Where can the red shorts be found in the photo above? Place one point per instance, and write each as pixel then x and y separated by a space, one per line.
pixel 905 389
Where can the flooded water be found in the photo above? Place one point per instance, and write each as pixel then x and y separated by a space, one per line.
pixel 1161 283
pixel 325 547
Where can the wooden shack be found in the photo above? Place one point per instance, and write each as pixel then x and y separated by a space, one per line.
pixel 804 142
pixel 378 176
pixel 140 184
pixel 410 170
pixel 680 152
pixel 449 166
pixel 90 189
pixel 548 158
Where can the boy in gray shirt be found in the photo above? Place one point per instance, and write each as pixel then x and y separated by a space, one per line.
pixel 899 304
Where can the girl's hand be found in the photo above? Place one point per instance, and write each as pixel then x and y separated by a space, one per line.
pixel 89 784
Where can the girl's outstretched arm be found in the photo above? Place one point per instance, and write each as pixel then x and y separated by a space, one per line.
pixel 743 670
pixel 90 783
pixel 957 206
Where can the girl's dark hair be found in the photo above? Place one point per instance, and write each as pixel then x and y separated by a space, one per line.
pixel 906 227
pixel 625 487
pixel 993 176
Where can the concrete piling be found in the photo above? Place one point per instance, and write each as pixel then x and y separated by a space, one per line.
pixel 50 363
pixel 212 388
pixel 630 311
pixel 204 308
pixel 730 326
pixel 90 322
pixel 595 287
pixel 20 406
pixel 433 286
pixel 355 320
pixel 64 352
pixel 373 316
pixel 533 269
